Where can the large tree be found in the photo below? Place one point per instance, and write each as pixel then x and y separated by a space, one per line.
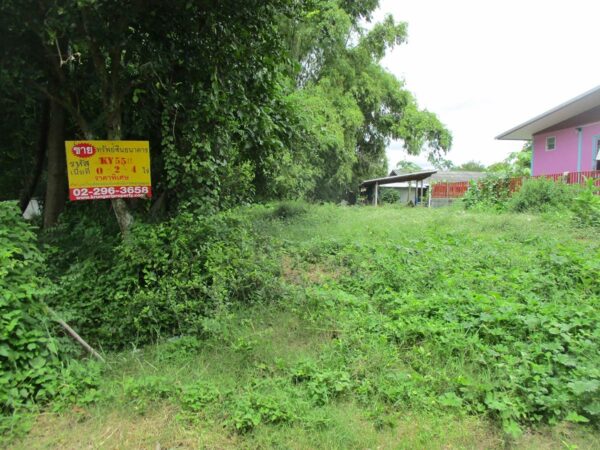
pixel 338 57
pixel 239 99
pixel 199 79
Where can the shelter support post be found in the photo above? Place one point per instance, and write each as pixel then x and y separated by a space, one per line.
pixel 376 194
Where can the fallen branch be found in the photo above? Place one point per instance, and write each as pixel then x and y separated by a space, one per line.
pixel 75 336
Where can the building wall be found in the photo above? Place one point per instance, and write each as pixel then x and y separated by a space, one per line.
pixel 562 159
pixel 440 202
pixel 565 157
pixel 590 134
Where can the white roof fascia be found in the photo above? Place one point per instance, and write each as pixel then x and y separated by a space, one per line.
pixel 562 112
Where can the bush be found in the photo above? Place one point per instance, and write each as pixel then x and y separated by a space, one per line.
pixel 28 355
pixel 586 205
pixel 542 195
pixel 389 196
pixel 165 279
pixel 535 195
pixel 491 192
pixel 289 209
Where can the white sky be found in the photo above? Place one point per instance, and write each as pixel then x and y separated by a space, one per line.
pixel 486 66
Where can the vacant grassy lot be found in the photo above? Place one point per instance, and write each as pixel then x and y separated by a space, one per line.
pixel 396 328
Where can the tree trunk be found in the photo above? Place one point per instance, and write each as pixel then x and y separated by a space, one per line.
pixel 57 186
pixel 159 206
pixel 31 183
pixel 124 217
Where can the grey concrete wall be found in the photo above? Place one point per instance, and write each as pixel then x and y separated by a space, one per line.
pixel 439 202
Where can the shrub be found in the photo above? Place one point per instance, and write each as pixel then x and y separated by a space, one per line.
pixel 164 279
pixel 198 396
pixel 28 358
pixel 78 383
pixel 586 205
pixel 389 196
pixel 178 348
pixel 542 195
pixel 289 209
pixel 254 407
pixel 491 192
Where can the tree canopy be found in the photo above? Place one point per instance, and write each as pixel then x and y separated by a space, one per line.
pixel 408 166
pixel 240 100
pixel 470 166
pixel 516 163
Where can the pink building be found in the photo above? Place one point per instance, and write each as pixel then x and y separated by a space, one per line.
pixel 566 138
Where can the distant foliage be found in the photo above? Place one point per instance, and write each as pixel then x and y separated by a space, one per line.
pixel 28 355
pixel 517 164
pixel 408 166
pixel 470 166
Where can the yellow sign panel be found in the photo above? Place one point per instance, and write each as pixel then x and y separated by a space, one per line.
pixel 108 169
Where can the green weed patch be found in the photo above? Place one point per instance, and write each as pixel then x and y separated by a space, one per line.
pixel 377 316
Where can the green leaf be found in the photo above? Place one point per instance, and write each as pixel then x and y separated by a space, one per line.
pixel 576 418
pixel 512 428
pixel 450 399
pixel 583 386
pixel 38 362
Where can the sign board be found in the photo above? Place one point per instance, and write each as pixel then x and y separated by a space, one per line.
pixel 108 169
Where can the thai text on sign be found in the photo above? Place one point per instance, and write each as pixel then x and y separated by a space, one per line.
pixel 108 169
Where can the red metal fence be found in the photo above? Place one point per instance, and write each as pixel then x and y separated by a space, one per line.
pixel 458 189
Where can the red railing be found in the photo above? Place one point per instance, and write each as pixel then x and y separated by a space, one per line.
pixel 459 188
pixel 449 190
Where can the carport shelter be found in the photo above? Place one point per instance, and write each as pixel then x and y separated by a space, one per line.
pixel 370 188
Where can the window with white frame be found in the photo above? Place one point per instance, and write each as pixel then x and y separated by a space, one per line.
pixel 550 143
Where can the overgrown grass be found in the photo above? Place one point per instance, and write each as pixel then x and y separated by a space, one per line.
pixel 398 328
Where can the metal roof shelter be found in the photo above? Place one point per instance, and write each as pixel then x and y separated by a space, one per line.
pixel 372 186
pixel 450 176
pixel 412 176
pixel 453 176
pixel 581 109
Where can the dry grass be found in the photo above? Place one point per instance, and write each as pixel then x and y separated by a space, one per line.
pixel 309 273
pixel 159 428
